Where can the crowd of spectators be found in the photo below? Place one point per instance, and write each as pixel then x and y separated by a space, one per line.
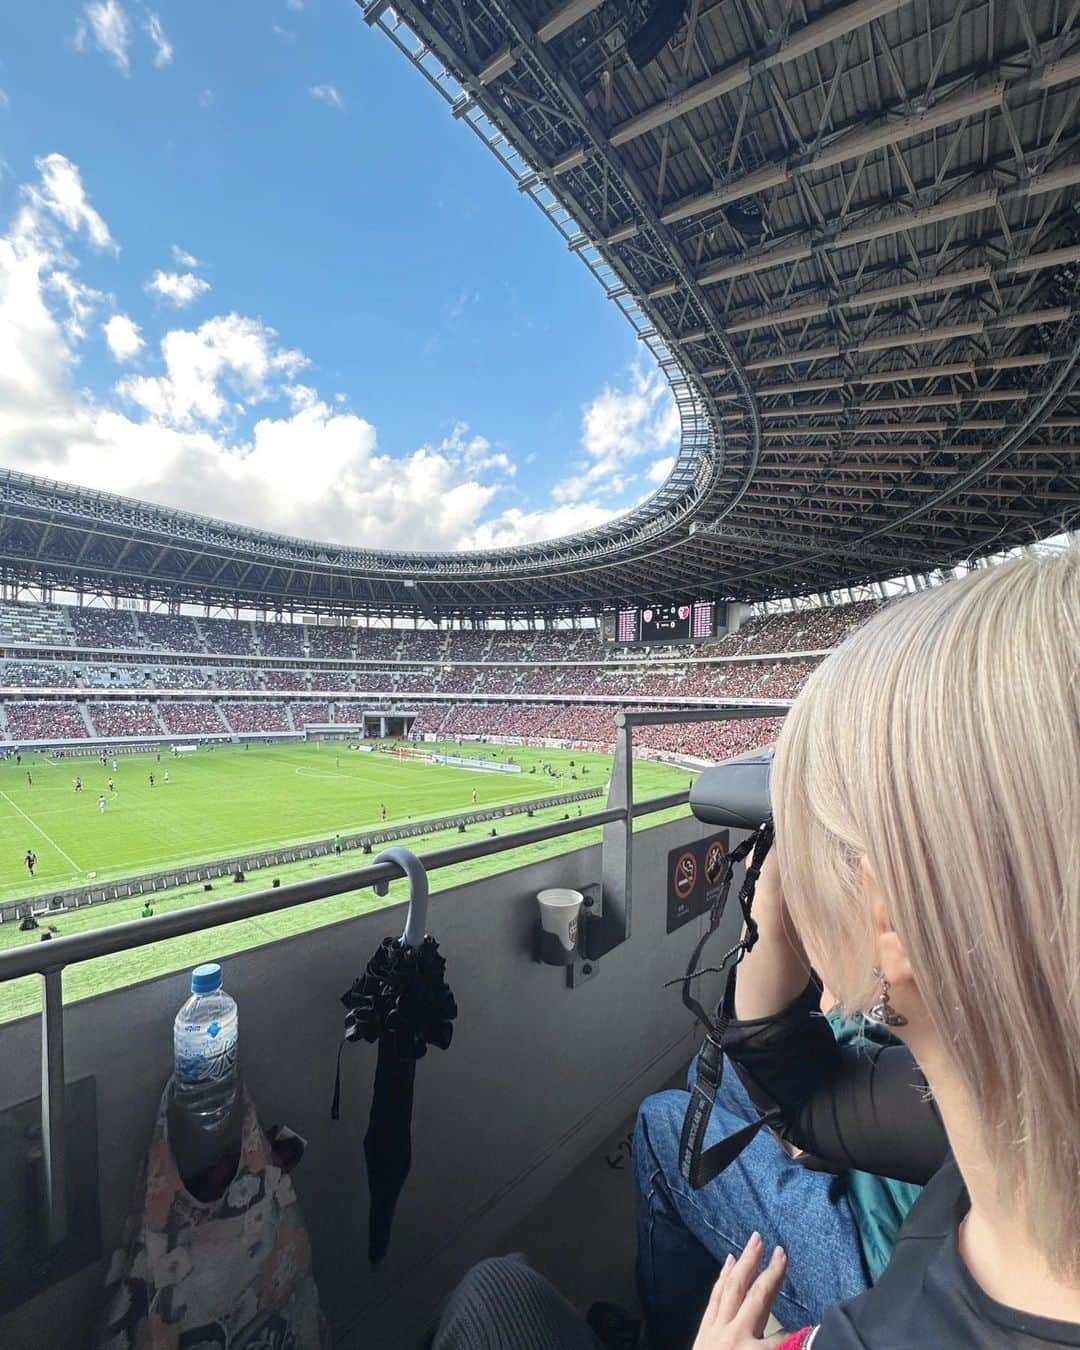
pixel 104 627
pixel 303 713
pixel 332 680
pixel 171 632
pixel 595 725
pixel 175 677
pixel 286 679
pixel 30 674
pixel 256 717
pixel 45 722
pixel 230 637
pixel 463 667
pixel 330 642
pixel 118 720
pixel 191 719
pixel 281 639
pixel 371 680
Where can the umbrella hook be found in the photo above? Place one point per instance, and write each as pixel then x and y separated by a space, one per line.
pixel 410 864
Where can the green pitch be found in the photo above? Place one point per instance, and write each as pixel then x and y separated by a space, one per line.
pixel 226 801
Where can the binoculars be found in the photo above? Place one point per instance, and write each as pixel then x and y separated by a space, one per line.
pixel 735 794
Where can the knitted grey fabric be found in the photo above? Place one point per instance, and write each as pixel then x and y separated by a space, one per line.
pixel 503 1304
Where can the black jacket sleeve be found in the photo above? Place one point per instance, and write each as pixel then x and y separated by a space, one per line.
pixel 863 1106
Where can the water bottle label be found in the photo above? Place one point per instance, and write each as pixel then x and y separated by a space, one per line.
pixel 202 1057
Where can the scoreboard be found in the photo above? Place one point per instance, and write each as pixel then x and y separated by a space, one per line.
pixel 667 621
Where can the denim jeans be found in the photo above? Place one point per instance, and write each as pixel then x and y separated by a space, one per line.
pixel 684 1235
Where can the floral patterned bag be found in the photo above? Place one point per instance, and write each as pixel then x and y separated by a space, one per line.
pixel 229 1274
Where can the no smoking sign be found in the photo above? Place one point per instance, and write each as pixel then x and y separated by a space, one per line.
pixel 695 872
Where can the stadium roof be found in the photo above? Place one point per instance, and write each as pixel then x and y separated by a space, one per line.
pixel 850 236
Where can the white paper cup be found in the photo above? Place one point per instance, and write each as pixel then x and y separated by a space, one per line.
pixel 559 913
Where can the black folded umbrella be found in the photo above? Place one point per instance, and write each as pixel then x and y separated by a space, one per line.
pixel 402 1001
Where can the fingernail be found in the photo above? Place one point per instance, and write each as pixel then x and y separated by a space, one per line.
pixel 729 1262
pixel 755 1239
pixel 778 1254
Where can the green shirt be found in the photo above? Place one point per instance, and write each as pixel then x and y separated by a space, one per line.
pixel 879 1204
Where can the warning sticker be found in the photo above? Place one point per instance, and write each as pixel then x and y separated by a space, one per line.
pixel 695 874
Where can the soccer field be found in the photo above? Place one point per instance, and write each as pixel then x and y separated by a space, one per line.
pixel 229 800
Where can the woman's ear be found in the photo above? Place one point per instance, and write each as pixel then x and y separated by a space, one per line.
pixel 892 955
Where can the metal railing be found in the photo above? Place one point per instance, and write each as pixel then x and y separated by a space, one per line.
pixel 49 959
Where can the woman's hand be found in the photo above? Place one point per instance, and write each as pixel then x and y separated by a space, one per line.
pixel 741 1301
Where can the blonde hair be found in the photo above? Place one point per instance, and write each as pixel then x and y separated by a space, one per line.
pixel 942 742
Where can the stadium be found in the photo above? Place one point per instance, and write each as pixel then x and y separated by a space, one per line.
pixel 848 235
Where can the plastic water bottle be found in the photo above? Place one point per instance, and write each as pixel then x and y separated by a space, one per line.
pixel 206 1069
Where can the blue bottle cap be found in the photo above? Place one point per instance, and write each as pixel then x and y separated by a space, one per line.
pixel 205 979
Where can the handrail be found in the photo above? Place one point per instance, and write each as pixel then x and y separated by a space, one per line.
pixel 44 957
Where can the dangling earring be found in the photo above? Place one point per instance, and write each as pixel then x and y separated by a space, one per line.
pixel 883 1011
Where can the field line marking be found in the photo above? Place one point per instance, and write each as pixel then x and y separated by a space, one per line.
pixel 40 831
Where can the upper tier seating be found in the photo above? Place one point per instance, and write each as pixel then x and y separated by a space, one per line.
pixel 41 625
pixel 231 637
pixel 104 627
pixel 170 632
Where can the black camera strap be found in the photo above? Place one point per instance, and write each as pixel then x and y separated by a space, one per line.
pixel 699 1167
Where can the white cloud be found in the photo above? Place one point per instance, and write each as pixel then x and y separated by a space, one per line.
pixel 514 526
pixel 183 258
pixel 619 427
pixel 212 371
pixel 660 468
pixel 181 288
pixel 219 421
pixel 326 93
pixel 60 194
pixel 286 34
pixel 206 98
pixel 104 24
pixel 163 51
pixel 5 101
pixel 123 337
pixel 295 5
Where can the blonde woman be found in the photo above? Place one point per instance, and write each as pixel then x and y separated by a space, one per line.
pixel 926 793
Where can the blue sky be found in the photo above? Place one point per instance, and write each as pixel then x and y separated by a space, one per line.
pixel 250 265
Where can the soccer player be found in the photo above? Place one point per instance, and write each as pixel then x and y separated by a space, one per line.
pixel 115 766
pixel 101 803
pixel 78 784
pixel 112 787
pixel 337 843
pixel 474 796
pixel 29 780
pixel 167 779
pixel 382 811
pixel 31 860
pixel 151 780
